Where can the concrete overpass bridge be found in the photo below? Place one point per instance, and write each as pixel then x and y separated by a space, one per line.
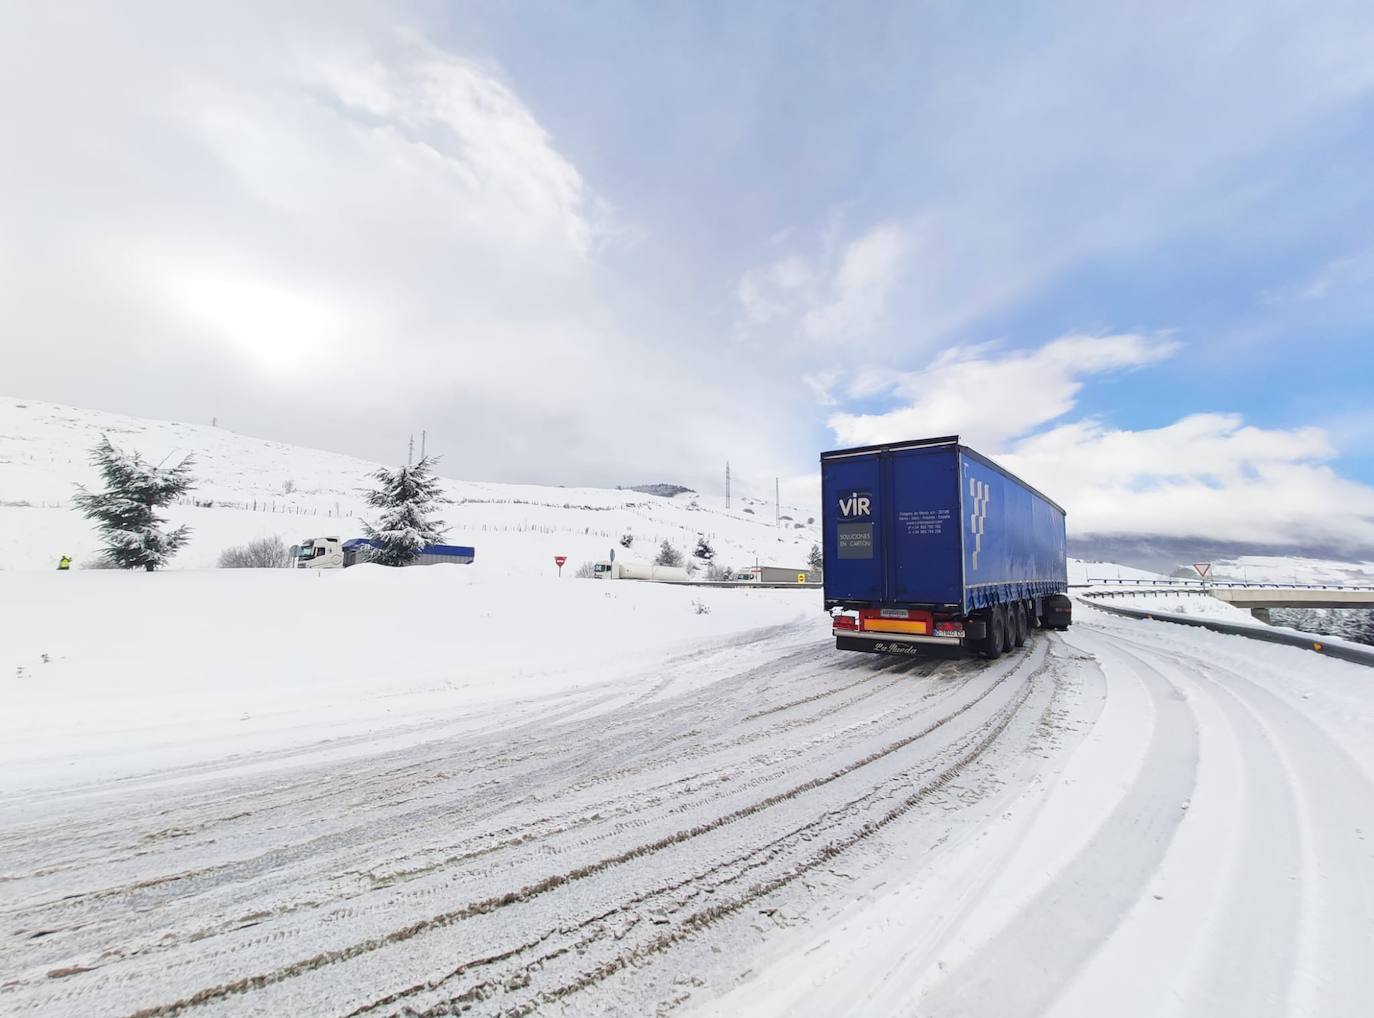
pixel 1256 596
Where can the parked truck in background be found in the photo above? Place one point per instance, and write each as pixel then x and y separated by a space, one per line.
pixel 334 553
pixel 775 574
pixel 637 571
pixel 928 545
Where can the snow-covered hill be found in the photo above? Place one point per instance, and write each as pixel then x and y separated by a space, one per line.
pixel 1082 572
pixel 1275 569
pixel 516 528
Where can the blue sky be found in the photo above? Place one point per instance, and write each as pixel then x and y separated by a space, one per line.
pixel 605 243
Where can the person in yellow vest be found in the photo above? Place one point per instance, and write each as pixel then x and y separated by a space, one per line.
pixel 64 563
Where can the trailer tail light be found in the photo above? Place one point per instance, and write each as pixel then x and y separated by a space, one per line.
pixel 846 622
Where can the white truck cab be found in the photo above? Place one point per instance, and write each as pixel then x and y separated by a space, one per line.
pixel 320 553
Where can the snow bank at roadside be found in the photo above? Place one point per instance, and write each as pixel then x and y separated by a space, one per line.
pixel 123 671
pixel 1081 571
pixel 1206 606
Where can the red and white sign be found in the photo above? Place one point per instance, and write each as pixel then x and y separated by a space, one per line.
pixel 1204 569
pixel 558 560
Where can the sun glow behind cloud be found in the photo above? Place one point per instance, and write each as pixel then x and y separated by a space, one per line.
pixel 280 330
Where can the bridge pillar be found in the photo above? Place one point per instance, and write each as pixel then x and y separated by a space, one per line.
pixel 1262 614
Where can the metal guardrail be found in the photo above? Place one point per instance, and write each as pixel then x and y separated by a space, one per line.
pixel 1165 581
pixel 1263 633
pixel 1151 592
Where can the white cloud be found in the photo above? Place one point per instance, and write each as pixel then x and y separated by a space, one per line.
pixel 845 300
pixel 822 385
pixel 1207 476
pixel 859 291
pixel 329 194
pixel 280 329
pixel 986 397
pixel 770 292
pixel 1338 275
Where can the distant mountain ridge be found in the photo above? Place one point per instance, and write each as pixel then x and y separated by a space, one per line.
pixel 664 490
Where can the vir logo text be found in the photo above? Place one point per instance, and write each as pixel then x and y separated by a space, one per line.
pixel 856 504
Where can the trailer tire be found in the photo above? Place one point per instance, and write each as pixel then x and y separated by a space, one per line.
pixel 1008 628
pixel 997 628
pixel 1021 630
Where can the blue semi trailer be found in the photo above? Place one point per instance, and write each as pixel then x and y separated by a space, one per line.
pixel 929 545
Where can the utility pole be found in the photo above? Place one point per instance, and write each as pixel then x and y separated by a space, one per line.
pixel 423 436
pixel 410 451
pixel 727 484
pixel 777 504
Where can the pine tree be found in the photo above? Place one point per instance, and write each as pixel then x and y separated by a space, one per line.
pixel 126 511
pixel 816 560
pixel 668 555
pixel 704 550
pixel 407 496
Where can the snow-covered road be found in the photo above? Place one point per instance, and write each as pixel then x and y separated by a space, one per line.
pixel 1131 819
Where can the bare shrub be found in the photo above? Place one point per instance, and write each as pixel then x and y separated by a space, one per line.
pixel 264 553
pixel 586 571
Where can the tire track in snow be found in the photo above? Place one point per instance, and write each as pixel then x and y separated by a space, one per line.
pixel 526 893
pixel 930 774
pixel 1023 968
pixel 702 919
pixel 290 797
pixel 1248 964
pixel 1327 888
pixel 719 705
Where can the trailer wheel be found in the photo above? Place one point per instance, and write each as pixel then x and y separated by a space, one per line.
pixel 1008 628
pixel 997 629
pixel 1021 629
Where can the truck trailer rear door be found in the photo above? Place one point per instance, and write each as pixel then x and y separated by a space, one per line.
pixel 854 554
pixel 925 537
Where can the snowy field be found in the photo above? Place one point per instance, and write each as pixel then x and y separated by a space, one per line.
pixel 1132 819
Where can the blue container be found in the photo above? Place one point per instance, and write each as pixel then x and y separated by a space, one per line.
pixel 933 525
pixel 358 548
